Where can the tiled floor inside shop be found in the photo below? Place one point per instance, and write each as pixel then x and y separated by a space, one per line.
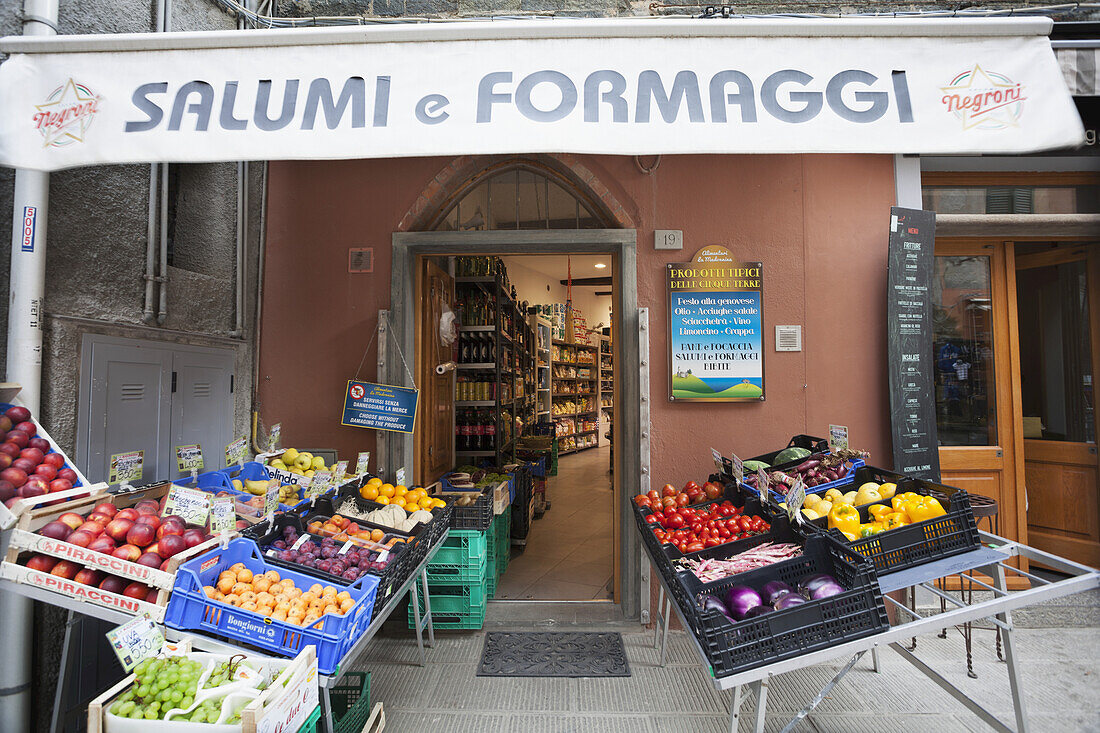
pixel 569 550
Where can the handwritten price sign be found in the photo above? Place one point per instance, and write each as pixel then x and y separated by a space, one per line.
pixel 136 640
pixel 189 457
pixel 223 518
pixel 361 463
pixel 235 451
pixel 126 467
pixel 193 506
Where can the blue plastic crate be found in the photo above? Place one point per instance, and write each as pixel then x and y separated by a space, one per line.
pixel 221 481
pixel 190 609
pixel 848 479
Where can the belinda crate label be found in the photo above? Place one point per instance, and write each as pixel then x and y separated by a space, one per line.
pixel 716 316
pixel 379 406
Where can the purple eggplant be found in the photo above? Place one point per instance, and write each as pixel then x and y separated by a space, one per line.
pixel 789 600
pixel 758 611
pixel 740 598
pixel 773 589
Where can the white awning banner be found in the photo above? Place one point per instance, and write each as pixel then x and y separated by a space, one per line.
pixel 378 96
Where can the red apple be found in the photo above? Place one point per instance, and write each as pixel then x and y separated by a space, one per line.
pixel 41 563
pixel 113 584
pixel 56 530
pixel 128 513
pixel 93 527
pixel 46 471
pixel 9 503
pixel 25 425
pixel 68 474
pixel 66 569
pixel 12 449
pixel 88 576
pixel 36 480
pixel 26 465
pixel 141 535
pixel 15 476
pixel 33 454
pixel 41 444
pixel 102 544
pixel 80 538
pixel 137 590
pixel 72 519
pixel 7 491
pixel 60 484
pixel 118 528
pixel 127 552
pixel 32 490
pixel 150 559
pixel 55 459
pixel 106 508
pixel 151 519
pixel 5 461
pixel 170 545
pixel 194 537
pixel 18 437
pixel 153 594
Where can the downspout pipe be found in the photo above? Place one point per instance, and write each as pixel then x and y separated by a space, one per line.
pixel 149 315
pixel 27 289
pixel 162 277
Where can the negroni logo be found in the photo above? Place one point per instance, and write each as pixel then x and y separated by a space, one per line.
pixel 66 114
pixel 984 99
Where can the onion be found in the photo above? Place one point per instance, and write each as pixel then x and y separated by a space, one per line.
pixel 773 590
pixel 758 611
pixel 807 585
pixel 825 590
pixel 789 601
pixel 740 598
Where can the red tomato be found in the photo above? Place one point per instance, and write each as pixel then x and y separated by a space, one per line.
pixel 711 542
pixel 652 519
pixel 712 490
pixel 668 502
pixel 694 547
pixel 675 521
pixel 724 532
pixel 744 523
pixel 654 496
pixel 691 485
pixel 668 490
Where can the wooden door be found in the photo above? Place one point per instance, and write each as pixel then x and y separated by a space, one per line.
pixel 975 356
pixel 1058 344
pixel 435 437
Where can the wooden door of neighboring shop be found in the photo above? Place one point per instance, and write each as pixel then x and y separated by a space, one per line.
pixel 435 452
pixel 1058 318
pixel 975 356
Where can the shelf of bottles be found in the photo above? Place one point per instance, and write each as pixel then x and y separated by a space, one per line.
pixel 495 382
pixel 607 386
pixel 574 395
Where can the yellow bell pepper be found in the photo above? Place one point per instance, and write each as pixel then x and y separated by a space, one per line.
pixel 899 501
pixel 926 508
pixel 844 517
pixel 895 520
pixel 878 511
pixel 849 536
pixel 869 529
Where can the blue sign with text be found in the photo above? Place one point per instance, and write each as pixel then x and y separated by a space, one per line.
pixel 379 406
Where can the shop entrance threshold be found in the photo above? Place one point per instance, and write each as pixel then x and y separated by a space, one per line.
pixel 573 615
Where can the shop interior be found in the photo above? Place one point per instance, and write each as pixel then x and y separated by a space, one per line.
pixel 534 361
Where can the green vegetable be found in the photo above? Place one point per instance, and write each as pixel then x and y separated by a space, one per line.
pixel 791 454
pixel 754 466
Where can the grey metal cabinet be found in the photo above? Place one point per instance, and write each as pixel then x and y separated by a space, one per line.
pixel 152 396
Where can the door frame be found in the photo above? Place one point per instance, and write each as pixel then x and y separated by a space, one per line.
pixel 408 247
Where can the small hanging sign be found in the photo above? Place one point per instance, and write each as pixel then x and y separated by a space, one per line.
pixel 274 436
pixel 235 451
pixel 362 462
pixel 189 458
pixel 838 438
pixel 190 505
pixel 137 639
pixel 379 406
pixel 126 467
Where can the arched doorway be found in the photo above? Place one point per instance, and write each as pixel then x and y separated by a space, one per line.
pixel 529 206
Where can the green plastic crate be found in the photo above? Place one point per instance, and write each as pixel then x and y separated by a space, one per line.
pixel 553 458
pixel 503 542
pixel 463 547
pixel 310 726
pixel 455 606
pixel 351 702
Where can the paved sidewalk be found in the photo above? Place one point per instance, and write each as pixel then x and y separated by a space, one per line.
pixel 1060 666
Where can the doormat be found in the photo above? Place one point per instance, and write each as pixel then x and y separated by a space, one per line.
pixel 545 654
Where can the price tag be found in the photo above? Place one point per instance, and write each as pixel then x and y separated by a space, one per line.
pixel 223 517
pixel 362 462
pixel 346 546
pixel 274 436
pixel 319 484
pixel 126 467
pixel 401 476
pixel 738 469
pixel 762 483
pixel 301 541
pixel 137 639
pixel 838 438
pixel 191 505
pixel 795 498
pixel 271 499
pixel 235 451
pixel 189 457
pixel 383 555
pixel 340 472
pixel 717 457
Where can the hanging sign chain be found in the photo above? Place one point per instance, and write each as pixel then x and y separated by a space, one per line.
pixel 400 353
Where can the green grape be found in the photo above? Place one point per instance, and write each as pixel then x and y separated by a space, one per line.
pixel 161 684
pixel 115 708
pixel 199 716
pixel 127 707
pixel 173 677
pixel 143 691
pixel 176 696
pixel 151 714
pixel 186 702
pixel 137 714
pixel 154 706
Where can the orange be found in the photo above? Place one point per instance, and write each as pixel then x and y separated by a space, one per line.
pixel 244 575
pixel 374 481
pixel 225 585
pixel 376 535
pixel 261 584
pixel 426 502
pixel 279 615
pixel 383 500
pixel 272 576
pixel 369 492
pixel 400 490
pixel 399 501
pixel 386 490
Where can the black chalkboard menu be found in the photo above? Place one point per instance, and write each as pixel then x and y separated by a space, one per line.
pixel 909 343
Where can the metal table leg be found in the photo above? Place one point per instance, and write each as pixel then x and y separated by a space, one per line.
pixel 667 614
pixel 414 591
pixel 1014 681
pixel 875 665
pixel 326 711
pixel 735 709
pixel 761 687
pixel 660 606
pixel 428 607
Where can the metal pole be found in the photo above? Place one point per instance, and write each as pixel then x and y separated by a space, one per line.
pixel 24 362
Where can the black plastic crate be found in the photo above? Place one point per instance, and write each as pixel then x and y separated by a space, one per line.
pixel 809 442
pixel 522 516
pixel 478 515
pixel 915 544
pixel 856 613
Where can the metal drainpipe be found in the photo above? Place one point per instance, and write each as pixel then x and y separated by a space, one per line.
pixel 261 253
pixel 238 273
pixel 162 276
pixel 148 316
pixel 27 285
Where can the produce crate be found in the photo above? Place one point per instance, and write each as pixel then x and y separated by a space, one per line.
pixel 463 558
pixel 502 498
pixel 310 726
pixel 455 606
pixel 24 540
pixel 332 635
pixel 810 443
pixel 350 701
pixel 915 544
pixel 854 614
pixel 477 516
pixel 776 498
pixel 503 540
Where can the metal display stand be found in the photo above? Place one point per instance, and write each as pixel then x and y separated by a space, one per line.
pixel 201 642
pixel 993 559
